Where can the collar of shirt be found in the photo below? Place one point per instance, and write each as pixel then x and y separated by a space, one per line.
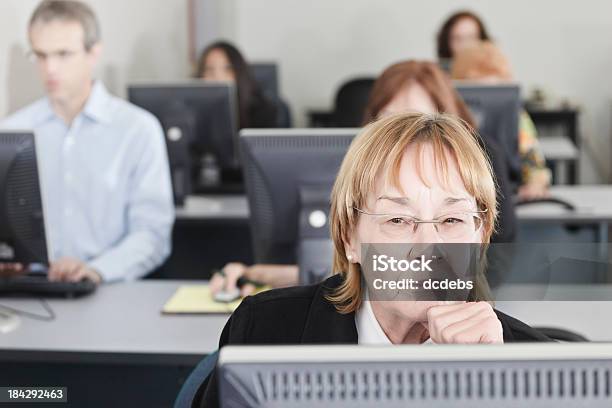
pixel 368 328
pixel 96 108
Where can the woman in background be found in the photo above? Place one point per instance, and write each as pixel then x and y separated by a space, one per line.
pixel 459 31
pixel 484 62
pixel 421 86
pixel 221 61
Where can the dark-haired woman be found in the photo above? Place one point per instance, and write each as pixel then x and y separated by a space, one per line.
pixel 221 61
pixel 461 30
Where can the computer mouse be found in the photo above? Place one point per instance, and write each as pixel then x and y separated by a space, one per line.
pixel 8 321
pixel 225 296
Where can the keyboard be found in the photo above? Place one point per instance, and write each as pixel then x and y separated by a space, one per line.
pixel 40 286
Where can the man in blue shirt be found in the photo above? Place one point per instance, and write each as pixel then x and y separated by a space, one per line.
pixel 103 163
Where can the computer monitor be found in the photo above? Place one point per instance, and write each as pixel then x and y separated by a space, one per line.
pixel 22 228
pixel 288 177
pixel 266 75
pixel 496 109
pixel 471 376
pixel 200 124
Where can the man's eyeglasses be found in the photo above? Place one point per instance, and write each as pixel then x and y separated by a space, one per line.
pixel 61 55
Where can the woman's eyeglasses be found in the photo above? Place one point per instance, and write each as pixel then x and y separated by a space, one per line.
pixel 453 226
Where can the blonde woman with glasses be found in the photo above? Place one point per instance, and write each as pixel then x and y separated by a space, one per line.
pixel 399 181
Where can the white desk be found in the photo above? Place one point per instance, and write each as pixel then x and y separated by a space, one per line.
pixel 558 148
pixel 125 318
pixel 122 320
pixel 111 349
pixel 593 205
pixel 588 318
pixel 214 207
pixel 561 151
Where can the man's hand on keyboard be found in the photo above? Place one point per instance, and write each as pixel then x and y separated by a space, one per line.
pixel 72 270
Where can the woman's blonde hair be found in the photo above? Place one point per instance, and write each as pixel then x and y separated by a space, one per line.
pixel 377 151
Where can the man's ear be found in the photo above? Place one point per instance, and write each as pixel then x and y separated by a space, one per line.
pixel 94 53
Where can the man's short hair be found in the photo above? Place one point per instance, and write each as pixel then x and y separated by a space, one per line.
pixel 69 10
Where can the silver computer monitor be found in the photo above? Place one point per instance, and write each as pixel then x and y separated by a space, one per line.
pixel 507 375
pixel 200 122
pixel 496 109
pixel 288 176
pixel 266 75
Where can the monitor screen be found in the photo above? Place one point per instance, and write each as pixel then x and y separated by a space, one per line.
pixel 266 76
pixel 22 227
pixel 496 109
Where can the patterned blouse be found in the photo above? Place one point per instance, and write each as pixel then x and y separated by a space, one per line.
pixel 533 163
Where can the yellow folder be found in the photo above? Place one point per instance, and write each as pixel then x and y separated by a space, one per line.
pixel 197 299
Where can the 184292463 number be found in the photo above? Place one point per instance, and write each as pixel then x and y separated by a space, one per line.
pixel 33 394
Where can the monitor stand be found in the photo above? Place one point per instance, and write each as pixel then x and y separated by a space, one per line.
pixel 9 321
pixel 221 189
pixel 315 249
pixel 229 183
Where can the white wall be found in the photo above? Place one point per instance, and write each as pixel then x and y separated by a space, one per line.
pixel 213 19
pixel 563 46
pixel 142 39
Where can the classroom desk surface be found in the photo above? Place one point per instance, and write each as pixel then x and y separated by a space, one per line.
pixel 125 319
pixel 592 202
pixel 214 207
pixel 121 320
pixel 588 318
pixel 558 148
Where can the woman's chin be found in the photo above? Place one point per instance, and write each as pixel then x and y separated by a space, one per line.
pixel 416 309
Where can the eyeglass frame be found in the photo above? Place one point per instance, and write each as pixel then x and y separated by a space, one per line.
pixel 61 55
pixel 418 221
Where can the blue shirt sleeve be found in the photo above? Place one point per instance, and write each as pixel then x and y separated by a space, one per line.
pixel 150 212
